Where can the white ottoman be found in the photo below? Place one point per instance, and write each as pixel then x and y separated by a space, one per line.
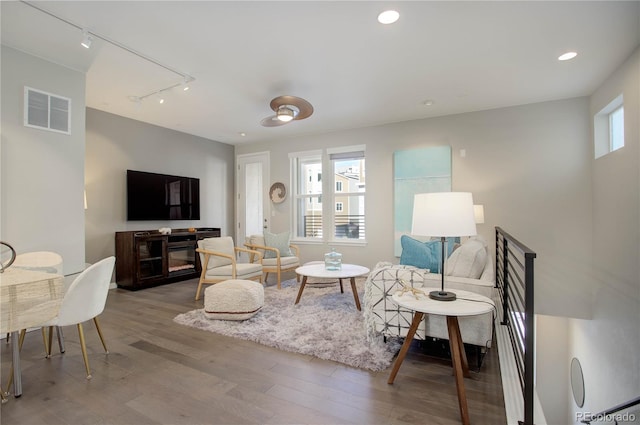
pixel 234 299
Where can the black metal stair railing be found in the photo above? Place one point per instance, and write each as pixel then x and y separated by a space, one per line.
pixel 611 414
pixel 514 281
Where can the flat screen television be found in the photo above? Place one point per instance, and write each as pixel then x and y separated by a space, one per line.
pixel 152 196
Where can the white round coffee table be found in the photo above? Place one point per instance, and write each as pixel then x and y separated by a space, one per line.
pixel 317 270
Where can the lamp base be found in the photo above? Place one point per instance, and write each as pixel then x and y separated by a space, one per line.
pixel 442 296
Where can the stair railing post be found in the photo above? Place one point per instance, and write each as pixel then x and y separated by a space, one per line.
pixel 505 278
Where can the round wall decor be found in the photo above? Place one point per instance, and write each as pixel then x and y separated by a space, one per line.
pixel 277 192
pixel 577 382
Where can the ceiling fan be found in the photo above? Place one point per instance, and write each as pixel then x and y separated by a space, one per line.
pixel 287 109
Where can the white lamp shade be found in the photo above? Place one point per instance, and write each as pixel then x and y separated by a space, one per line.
pixel 478 211
pixel 443 214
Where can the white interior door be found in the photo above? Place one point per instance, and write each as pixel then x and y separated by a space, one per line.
pixel 252 208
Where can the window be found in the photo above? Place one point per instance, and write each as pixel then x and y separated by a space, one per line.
pixel 608 128
pixel 348 166
pixel 306 194
pixel 342 216
pixel 616 129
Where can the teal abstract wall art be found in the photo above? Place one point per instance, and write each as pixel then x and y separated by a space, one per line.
pixel 417 171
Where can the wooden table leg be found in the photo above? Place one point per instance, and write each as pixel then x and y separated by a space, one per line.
pixel 417 317
pixel 341 287
pixel 304 282
pixel 460 367
pixel 355 292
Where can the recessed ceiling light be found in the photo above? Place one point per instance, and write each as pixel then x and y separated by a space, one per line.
pixel 567 56
pixel 388 17
pixel 242 134
pixel 427 102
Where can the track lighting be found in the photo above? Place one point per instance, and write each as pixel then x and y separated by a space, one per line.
pixel 86 39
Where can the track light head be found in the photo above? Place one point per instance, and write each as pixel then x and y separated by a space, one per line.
pixel 86 39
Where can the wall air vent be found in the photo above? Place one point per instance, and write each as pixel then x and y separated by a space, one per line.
pixel 47 111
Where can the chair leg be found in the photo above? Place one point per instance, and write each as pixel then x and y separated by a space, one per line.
pixel 60 339
pixel 83 346
pixel 279 287
pixel 95 320
pixel 20 341
pixel 198 290
pixel 46 341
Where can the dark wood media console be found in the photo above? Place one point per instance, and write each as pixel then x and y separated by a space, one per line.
pixel 146 258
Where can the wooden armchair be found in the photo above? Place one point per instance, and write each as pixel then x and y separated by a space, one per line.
pixel 274 262
pixel 219 262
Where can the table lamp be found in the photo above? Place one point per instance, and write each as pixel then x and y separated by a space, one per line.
pixel 443 214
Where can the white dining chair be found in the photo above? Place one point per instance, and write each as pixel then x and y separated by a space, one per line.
pixel 85 300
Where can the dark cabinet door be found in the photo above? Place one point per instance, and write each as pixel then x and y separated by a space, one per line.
pixel 151 258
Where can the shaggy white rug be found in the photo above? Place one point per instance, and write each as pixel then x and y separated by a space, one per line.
pixel 324 324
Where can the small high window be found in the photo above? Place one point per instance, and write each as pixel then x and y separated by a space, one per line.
pixel 616 129
pixel 608 128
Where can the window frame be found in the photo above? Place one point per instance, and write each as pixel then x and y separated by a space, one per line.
pixel 296 160
pixel 611 117
pixel 342 154
pixel 603 129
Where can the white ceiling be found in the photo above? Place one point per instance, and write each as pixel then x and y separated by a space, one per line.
pixel 464 56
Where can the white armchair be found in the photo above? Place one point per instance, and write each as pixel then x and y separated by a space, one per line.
pixel 219 262
pixel 275 263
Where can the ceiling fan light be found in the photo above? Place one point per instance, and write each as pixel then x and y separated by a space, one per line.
pixel 285 114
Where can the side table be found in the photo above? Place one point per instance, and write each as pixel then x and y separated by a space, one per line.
pixel 348 271
pixel 466 304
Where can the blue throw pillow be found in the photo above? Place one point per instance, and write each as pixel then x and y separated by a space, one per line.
pixel 280 241
pixel 425 255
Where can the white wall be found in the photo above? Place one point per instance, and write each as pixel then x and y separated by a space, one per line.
pixel 115 144
pixel 42 171
pixel 608 345
pixel 530 166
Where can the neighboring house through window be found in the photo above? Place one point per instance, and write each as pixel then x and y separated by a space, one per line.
pixel 307 191
pixel 348 165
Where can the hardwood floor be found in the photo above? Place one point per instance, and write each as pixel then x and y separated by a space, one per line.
pixel 159 372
